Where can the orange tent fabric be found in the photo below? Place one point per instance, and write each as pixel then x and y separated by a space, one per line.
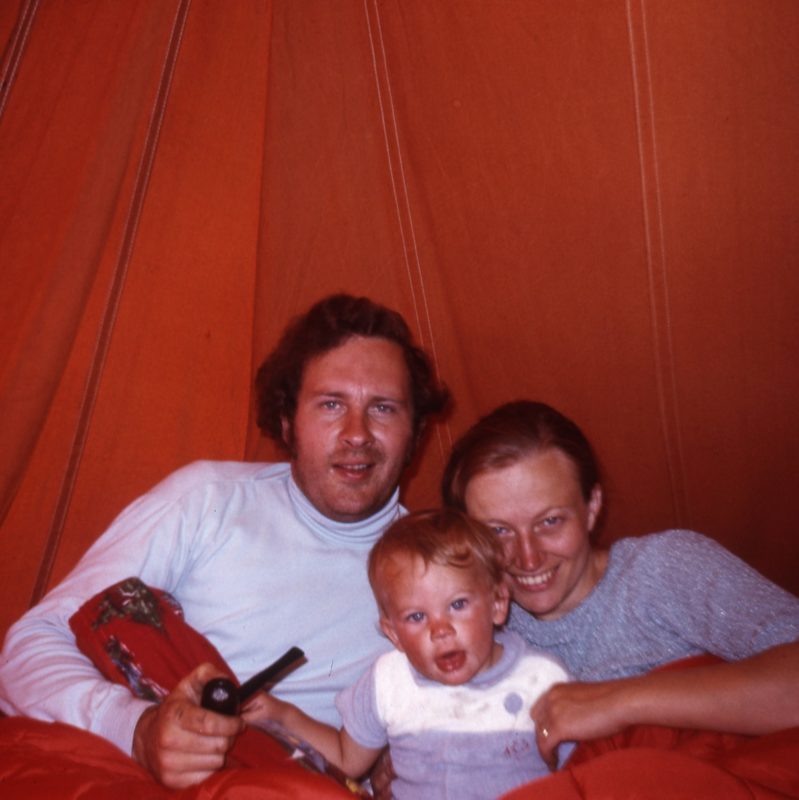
pixel 593 204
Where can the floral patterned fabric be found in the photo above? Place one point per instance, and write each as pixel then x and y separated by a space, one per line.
pixel 136 636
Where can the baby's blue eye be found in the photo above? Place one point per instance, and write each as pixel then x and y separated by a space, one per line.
pixel 416 616
pixel 460 603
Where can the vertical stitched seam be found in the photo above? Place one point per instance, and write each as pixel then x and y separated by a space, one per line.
pixel 683 511
pixel 387 143
pixel 397 203
pixel 660 369
pixel 12 56
pixel 102 343
pixel 251 434
pixel 15 49
pixel 401 163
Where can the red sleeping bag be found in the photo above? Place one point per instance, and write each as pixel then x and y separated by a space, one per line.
pixel 137 636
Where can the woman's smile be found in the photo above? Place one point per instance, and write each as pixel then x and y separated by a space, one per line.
pixel 537 509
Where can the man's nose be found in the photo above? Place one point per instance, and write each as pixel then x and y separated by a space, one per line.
pixel 356 430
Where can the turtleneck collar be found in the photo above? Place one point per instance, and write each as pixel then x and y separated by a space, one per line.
pixel 366 530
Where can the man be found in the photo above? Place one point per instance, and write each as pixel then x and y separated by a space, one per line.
pixel 261 557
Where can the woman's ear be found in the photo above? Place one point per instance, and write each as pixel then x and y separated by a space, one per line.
pixel 594 506
pixel 389 630
pixel 501 603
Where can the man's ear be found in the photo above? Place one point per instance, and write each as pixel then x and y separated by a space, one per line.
pixel 285 431
pixel 389 630
pixel 413 443
pixel 501 603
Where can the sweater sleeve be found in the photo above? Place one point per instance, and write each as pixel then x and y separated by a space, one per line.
pixel 42 672
pixel 357 705
pixel 715 600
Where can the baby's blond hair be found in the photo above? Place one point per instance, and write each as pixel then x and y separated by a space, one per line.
pixel 440 536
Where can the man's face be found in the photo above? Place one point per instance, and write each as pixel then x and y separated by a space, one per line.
pixel 352 431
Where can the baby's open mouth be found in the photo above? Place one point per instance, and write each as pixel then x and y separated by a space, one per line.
pixel 451 661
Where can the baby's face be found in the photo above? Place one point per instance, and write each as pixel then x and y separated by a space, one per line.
pixel 442 617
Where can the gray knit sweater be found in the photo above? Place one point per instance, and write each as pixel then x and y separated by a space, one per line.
pixel 663 597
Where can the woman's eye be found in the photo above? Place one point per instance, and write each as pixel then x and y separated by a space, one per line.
pixel 551 522
pixel 500 530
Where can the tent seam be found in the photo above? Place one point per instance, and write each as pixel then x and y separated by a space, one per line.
pixel 105 332
pixel 661 322
pixel 428 327
pixel 14 50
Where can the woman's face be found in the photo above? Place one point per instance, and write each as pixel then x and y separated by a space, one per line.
pixel 537 509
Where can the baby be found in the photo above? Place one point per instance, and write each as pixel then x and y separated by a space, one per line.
pixel 453 700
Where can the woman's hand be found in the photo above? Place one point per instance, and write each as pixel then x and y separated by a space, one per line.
pixel 571 712
pixel 752 696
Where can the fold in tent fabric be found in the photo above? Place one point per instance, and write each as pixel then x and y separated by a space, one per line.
pixel 587 204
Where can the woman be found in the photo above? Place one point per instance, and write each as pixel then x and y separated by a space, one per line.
pixel 613 615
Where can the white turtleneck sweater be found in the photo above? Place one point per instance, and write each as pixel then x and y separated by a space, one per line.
pixel 256 568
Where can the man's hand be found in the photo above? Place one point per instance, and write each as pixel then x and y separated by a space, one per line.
pixel 180 742
pixel 575 712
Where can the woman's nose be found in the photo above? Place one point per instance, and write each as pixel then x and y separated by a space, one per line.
pixel 527 554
